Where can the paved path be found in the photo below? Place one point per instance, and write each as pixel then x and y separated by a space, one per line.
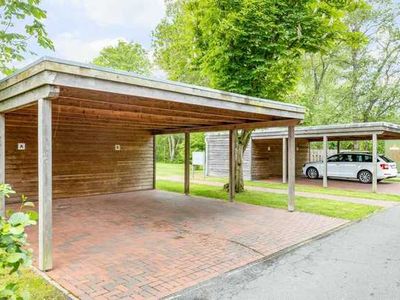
pixel 150 244
pixel 380 203
pixel 385 187
pixel 359 262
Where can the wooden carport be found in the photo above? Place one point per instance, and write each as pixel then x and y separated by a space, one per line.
pixel 336 132
pixel 74 129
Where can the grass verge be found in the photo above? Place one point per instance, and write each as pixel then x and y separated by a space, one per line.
pixel 165 170
pixel 37 287
pixel 337 209
pixel 327 191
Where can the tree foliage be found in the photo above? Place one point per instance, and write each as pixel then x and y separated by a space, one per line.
pixel 20 20
pixel 356 82
pixel 126 56
pixel 170 148
pixel 251 47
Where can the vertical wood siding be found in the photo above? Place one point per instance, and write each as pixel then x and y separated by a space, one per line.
pixel 259 163
pixel 85 161
pixel 268 164
pixel 218 156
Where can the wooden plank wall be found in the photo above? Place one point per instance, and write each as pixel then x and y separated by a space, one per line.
pixel 218 156
pixel 392 150
pixel 266 164
pixel 85 161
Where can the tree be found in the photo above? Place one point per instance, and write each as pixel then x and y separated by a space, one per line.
pixel 19 21
pixel 251 47
pixel 125 56
pixel 357 82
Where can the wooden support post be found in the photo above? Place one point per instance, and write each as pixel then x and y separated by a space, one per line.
pixel 45 184
pixel 325 161
pixel 338 147
pixel 187 163
pixel 291 168
pixel 232 164
pixel 284 160
pixel 2 161
pixel 374 163
pixel 154 161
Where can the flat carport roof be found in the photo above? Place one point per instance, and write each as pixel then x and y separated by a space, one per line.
pixel 336 132
pixel 98 97
pixel 158 105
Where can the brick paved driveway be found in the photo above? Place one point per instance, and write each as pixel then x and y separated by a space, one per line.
pixel 151 244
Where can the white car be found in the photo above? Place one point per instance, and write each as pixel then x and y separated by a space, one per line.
pixel 352 165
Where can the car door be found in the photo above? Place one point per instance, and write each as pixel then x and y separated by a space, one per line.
pixel 348 165
pixel 333 165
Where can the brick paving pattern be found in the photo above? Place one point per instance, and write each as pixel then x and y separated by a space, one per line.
pixel 150 244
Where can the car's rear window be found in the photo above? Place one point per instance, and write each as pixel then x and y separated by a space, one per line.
pixel 386 159
pixel 367 158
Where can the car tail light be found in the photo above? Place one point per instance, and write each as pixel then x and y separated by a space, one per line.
pixel 385 166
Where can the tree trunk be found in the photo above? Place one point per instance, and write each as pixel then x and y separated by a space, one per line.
pixel 242 141
pixel 172 147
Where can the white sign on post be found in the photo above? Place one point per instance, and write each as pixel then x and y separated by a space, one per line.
pixel 198 159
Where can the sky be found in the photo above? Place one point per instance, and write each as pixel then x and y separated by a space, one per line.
pixel 80 29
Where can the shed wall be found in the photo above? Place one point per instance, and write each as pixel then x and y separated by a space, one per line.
pixel 268 163
pixel 218 156
pixel 85 161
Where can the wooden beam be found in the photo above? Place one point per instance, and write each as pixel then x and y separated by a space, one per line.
pixel 325 161
pixel 291 168
pixel 144 106
pixel 135 116
pixel 45 184
pixel 187 164
pixel 284 160
pixel 232 164
pixel 374 163
pixel 252 125
pixel 28 98
pixel 2 161
pixel 154 161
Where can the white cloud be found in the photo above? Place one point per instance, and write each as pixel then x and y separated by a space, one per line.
pixel 136 14
pixel 70 46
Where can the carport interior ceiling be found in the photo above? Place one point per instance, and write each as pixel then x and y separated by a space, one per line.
pixel 99 97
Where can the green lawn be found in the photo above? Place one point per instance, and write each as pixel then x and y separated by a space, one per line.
pixel 343 210
pixel 37 287
pixel 165 170
pixel 397 179
pixel 327 191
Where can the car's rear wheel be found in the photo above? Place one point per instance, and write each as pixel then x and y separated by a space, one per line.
pixel 365 176
pixel 312 173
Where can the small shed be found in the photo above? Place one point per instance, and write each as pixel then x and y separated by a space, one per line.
pixel 266 155
pixel 70 130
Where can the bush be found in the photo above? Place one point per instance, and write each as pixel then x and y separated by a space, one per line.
pixel 14 253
